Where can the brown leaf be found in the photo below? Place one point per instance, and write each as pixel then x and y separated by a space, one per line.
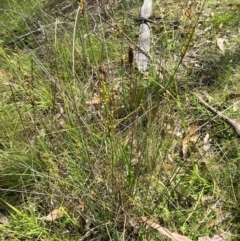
pixel 192 137
pixel 165 232
pixel 81 204
pixel 2 72
pixel 94 101
pixel 55 214
pixel 179 237
pixel 76 206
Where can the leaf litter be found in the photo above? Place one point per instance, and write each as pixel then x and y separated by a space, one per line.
pixel 221 44
pixel 191 137
pixel 178 237
pixel 54 215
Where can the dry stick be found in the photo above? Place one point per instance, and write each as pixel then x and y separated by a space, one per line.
pixel 144 43
pixel 233 123
pixel 144 36
pixel 146 9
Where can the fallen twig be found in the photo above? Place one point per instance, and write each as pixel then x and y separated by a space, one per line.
pixel 233 123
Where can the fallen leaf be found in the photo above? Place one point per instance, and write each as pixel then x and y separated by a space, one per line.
pixel 165 232
pixel 221 237
pixel 94 101
pixel 77 205
pixel 55 214
pixel 81 204
pixel 3 219
pixel 191 137
pixel 2 72
pixel 220 44
pixel 178 237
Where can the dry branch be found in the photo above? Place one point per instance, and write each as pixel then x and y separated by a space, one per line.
pixel 233 123
pixel 146 9
pixel 144 43
pixel 142 59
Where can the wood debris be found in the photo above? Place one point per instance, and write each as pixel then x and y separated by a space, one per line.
pixel 142 57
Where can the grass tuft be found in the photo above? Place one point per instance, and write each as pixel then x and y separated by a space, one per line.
pixel 86 137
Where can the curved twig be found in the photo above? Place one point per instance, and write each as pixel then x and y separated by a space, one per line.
pixel 233 123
